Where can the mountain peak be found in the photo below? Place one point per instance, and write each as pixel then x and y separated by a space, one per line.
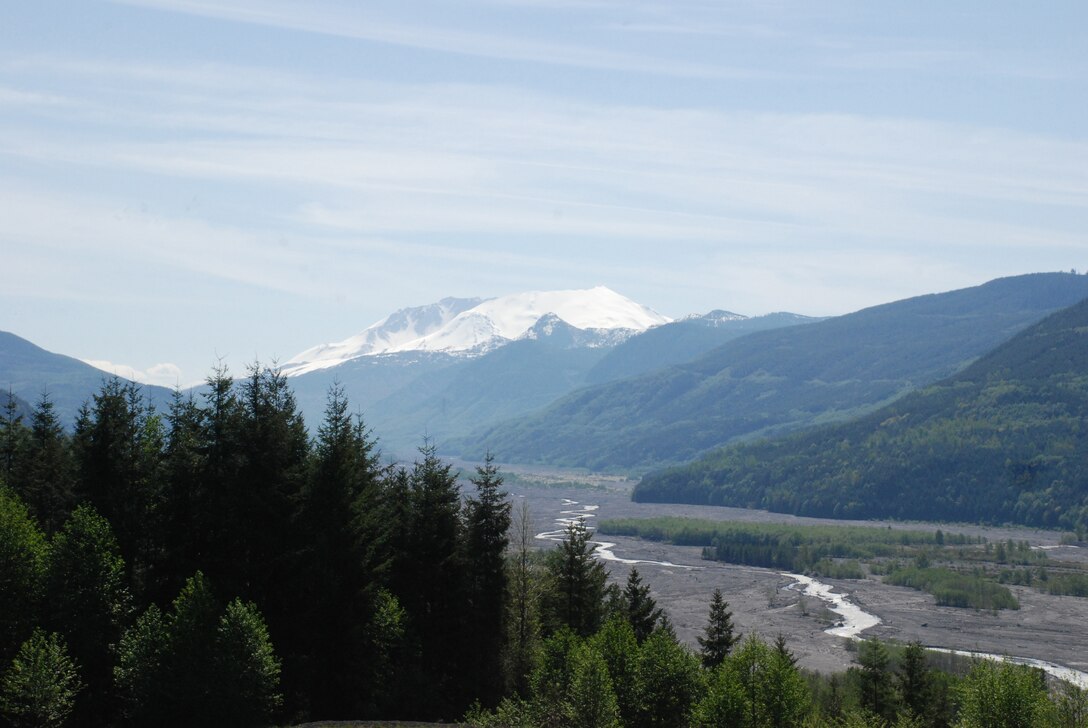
pixel 470 326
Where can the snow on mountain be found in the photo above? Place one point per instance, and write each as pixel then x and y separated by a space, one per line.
pixel 474 326
pixel 399 328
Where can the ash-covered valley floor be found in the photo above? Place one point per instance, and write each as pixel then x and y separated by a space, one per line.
pixel 1046 627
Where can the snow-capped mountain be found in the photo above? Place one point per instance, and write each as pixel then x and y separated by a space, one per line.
pixel 472 326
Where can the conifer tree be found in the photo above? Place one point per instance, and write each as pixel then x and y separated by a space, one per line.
pixel 246 669
pixel 339 562
pixel 719 636
pixel 914 679
pixel 877 693
pixel 616 643
pixel 88 603
pixel 13 437
pixel 487 525
pixel 578 582
pixel 44 474
pixel 641 610
pixel 669 681
pixel 592 701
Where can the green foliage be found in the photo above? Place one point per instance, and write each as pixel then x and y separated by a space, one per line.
pixel 670 679
pixel 23 560
pixel 487 524
pixel 40 686
pixel 592 702
pixel 768 691
pixel 1004 695
pixel 877 687
pixel 640 608
pixel 575 599
pixel 618 646
pixel 719 636
pixel 1001 441
pixel 198 665
pixel 88 603
pixel 246 668
pixel 955 589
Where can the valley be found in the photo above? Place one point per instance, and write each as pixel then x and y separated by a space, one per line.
pixel 1046 627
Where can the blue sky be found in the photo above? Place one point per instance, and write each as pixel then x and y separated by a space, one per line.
pixel 188 180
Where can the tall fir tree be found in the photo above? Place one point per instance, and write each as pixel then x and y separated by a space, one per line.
pixel 575 599
pixel 487 526
pixel 40 685
pixel 640 608
pixel 88 603
pixel 340 561
pixel 719 636
pixel 44 473
pixel 13 438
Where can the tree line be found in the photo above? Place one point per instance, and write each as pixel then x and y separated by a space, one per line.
pixel 216 565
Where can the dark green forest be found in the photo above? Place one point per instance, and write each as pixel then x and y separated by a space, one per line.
pixel 1003 441
pixel 215 565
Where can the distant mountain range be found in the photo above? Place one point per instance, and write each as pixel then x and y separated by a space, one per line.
pixel 772 382
pixel 1003 440
pixel 417 374
pixel 28 371
pixel 592 379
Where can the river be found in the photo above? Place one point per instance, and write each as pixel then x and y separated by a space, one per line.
pixel 854 620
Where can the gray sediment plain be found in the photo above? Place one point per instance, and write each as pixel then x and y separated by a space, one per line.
pixel 1046 627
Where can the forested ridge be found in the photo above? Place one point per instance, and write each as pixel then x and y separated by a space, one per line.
pixel 773 382
pixel 1003 441
pixel 214 565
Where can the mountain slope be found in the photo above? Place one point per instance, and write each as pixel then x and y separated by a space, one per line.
pixel 28 370
pixel 683 340
pixel 1003 440
pixel 776 381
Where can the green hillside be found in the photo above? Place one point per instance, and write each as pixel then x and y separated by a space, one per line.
pixel 1004 440
pixel 772 382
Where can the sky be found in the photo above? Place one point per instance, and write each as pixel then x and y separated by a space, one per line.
pixel 185 182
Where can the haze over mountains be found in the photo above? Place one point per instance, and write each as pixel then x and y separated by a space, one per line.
pixel 589 378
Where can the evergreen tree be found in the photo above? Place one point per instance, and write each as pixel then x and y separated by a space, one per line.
pixel 118 443
pixel 44 473
pixel 641 610
pixel 774 693
pixel 13 439
pixel 719 636
pixel 141 672
pixel 40 685
pixel 914 680
pixel 876 690
pixel 88 603
pixel 23 560
pixel 187 499
pixel 436 600
pixel 338 562
pixel 487 525
pixel 782 650
pixel 578 579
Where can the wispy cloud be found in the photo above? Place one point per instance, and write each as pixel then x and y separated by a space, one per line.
pixel 163 375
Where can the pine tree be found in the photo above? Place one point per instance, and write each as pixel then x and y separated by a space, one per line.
pixel 40 686
pixel 914 679
pixel 576 597
pixel 641 610
pixel 45 471
pixel 487 526
pixel 877 694
pixel 13 439
pixel 88 603
pixel 338 561
pixel 719 636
